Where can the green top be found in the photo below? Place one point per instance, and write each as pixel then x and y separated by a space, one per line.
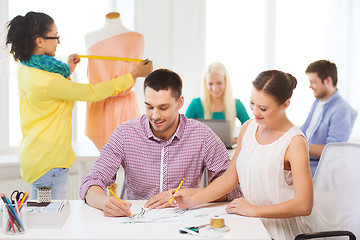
pixel 195 110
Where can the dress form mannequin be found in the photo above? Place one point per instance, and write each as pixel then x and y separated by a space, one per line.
pixel 112 40
pixel 113 26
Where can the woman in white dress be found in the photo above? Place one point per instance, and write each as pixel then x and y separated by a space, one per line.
pixel 271 163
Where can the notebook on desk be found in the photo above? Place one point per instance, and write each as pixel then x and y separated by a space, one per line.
pixel 222 129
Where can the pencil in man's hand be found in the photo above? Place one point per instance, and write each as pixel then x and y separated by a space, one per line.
pixel 177 189
pixel 108 187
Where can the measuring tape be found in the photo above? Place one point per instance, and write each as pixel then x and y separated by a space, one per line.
pixel 217 222
pixel 110 58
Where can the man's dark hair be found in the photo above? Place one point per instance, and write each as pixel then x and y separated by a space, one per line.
pixel 324 69
pixel 164 79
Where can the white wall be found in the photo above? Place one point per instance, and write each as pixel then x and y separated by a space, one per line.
pixel 174 33
pixel 353 64
pixel 174 38
pixel 4 86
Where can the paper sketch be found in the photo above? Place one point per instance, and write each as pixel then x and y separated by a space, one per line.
pixel 144 215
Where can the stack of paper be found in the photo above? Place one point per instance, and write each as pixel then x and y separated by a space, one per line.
pixel 52 215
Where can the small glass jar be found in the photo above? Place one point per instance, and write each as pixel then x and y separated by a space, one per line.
pixel 14 223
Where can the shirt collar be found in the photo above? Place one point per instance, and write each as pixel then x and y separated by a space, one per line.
pixel 177 135
pixel 335 96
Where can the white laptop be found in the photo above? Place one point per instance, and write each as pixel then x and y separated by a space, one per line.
pixel 222 129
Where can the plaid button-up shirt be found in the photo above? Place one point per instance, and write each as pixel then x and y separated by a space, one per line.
pixel 152 165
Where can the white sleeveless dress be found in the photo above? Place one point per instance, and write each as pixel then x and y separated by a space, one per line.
pixel 264 181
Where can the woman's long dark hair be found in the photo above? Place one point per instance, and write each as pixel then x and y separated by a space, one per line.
pixel 22 32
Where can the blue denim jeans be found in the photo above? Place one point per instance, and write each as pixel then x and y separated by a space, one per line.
pixel 57 178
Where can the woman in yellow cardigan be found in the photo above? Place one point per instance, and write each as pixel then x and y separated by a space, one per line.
pixel 47 97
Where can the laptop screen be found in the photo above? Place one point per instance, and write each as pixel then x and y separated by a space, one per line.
pixel 221 128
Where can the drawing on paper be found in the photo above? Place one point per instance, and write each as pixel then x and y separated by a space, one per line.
pixel 144 215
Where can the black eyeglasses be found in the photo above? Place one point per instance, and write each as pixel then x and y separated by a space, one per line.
pixel 57 38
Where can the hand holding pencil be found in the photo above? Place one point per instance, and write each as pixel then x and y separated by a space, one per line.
pixel 115 207
pixel 161 200
pixel 182 181
pixel 188 197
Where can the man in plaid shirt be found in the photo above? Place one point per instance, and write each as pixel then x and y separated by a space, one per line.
pixel 157 151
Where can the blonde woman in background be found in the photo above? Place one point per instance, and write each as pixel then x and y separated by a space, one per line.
pixel 217 101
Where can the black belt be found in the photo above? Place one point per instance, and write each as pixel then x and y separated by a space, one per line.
pixel 314 159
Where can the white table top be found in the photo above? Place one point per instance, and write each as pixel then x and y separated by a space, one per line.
pixel 85 222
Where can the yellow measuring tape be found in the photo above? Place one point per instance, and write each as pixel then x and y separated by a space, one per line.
pixel 110 58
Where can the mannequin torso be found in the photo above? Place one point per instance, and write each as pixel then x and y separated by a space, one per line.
pixel 112 40
pixel 113 26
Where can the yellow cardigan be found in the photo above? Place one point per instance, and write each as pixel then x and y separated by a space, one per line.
pixel 46 103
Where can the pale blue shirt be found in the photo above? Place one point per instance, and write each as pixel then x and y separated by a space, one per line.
pixel 318 111
pixel 334 124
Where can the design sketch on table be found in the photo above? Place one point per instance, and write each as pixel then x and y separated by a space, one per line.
pixel 145 215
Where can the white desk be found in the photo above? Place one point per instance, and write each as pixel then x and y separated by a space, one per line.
pixel 85 222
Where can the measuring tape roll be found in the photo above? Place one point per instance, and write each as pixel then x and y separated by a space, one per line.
pixel 217 222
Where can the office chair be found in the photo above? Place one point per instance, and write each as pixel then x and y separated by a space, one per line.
pixel 336 210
